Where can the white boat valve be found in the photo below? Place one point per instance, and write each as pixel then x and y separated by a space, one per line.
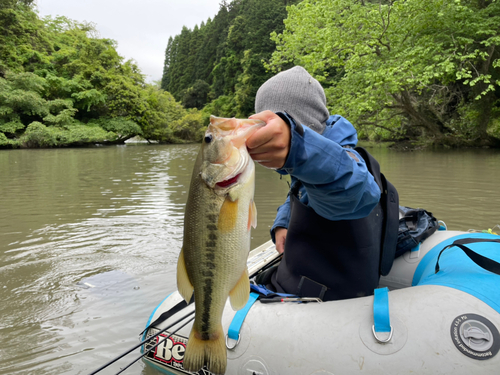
pixel 476 335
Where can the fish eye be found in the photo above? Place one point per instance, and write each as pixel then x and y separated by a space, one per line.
pixel 208 138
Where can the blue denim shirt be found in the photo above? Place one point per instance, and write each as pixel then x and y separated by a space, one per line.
pixel 334 184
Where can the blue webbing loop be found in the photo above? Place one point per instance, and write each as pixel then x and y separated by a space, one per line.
pixel 261 289
pixel 381 319
pixel 235 326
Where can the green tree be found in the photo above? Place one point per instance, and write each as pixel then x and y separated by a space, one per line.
pixel 63 85
pixel 165 80
pixel 162 111
pixel 226 52
pixel 196 95
pixel 23 40
pixel 402 68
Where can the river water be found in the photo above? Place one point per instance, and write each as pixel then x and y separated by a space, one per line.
pixel 89 239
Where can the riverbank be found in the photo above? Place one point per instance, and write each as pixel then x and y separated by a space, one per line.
pixel 400 145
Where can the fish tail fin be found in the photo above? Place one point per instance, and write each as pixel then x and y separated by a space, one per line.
pixel 211 352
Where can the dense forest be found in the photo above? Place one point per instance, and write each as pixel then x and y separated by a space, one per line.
pixel 219 65
pixel 424 71
pixel 63 85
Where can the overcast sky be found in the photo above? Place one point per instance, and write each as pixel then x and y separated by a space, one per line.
pixel 141 27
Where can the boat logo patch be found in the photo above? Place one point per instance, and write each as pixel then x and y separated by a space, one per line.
pixel 167 351
pixel 475 336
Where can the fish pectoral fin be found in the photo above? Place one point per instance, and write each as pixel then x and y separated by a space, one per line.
pixel 252 215
pixel 228 215
pixel 183 283
pixel 238 296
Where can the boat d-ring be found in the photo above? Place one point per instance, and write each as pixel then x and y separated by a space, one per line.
pixel 380 340
pixel 235 345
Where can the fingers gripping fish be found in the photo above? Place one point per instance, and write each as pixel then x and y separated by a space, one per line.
pixel 219 213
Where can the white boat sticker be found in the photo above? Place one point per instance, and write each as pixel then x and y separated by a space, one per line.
pixel 170 352
pixel 170 349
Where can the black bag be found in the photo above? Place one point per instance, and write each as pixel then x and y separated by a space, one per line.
pixel 415 226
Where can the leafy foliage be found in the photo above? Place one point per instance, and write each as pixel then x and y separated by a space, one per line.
pixel 186 127
pixel 196 95
pixel 39 135
pixel 402 68
pixel 223 56
pixel 63 85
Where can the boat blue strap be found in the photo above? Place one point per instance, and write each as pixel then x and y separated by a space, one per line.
pixel 266 292
pixel 381 319
pixel 235 326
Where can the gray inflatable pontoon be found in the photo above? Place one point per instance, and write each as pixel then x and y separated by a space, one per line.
pixel 440 323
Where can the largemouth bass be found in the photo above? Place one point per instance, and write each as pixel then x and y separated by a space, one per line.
pixel 219 214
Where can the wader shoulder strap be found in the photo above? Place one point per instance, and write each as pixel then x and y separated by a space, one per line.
pixel 390 203
pixel 482 261
pixel 389 200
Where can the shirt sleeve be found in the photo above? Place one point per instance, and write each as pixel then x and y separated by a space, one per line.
pixel 336 180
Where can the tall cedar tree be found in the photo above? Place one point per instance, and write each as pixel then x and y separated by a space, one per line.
pixel 225 53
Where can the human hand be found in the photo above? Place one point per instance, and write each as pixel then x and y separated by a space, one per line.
pixel 269 146
pixel 280 237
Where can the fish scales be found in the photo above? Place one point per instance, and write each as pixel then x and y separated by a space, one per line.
pixel 218 257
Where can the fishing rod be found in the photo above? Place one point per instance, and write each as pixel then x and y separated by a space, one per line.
pixel 154 346
pixel 143 342
pixel 162 318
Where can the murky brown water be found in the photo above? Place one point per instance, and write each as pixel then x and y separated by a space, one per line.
pixel 89 239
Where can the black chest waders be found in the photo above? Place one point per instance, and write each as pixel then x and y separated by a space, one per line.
pixel 342 259
pixel 328 259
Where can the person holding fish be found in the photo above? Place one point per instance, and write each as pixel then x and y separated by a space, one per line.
pixel 330 227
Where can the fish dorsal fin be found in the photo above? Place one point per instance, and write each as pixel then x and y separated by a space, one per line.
pixel 183 283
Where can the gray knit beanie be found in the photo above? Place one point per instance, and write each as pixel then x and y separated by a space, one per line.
pixel 297 93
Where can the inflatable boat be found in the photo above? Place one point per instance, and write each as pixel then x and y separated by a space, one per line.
pixel 436 312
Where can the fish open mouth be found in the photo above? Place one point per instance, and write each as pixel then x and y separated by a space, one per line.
pixel 231 181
